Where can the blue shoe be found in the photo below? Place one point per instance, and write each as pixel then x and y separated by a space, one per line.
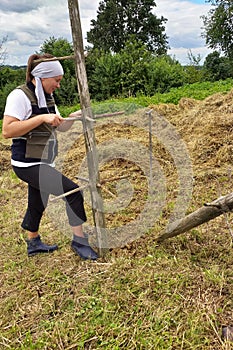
pixel 82 248
pixel 36 246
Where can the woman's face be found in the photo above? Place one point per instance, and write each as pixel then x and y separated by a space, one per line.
pixel 51 84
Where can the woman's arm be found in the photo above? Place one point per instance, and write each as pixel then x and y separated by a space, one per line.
pixel 13 127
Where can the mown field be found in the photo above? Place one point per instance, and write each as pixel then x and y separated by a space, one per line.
pixel 141 294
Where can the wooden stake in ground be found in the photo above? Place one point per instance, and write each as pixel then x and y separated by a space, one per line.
pixel 208 212
pixel 88 126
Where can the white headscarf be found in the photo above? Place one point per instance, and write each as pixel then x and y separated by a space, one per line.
pixel 47 69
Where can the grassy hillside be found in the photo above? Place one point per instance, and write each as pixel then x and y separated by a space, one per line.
pixel 141 295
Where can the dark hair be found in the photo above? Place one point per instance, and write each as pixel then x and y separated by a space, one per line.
pixel 31 64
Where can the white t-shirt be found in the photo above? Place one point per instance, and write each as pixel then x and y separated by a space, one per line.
pixel 19 106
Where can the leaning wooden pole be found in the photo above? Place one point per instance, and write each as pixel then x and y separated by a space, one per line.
pixel 88 127
pixel 208 212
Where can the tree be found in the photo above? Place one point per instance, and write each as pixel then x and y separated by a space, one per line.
pixel 9 79
pixel 3 51
pixel 163 73
pixel 193 71
pixel 218 28
pixel 105 77
pixel 135 61
pixel 118 21
pixel 132 71
pixel 217 67
pixel 59 47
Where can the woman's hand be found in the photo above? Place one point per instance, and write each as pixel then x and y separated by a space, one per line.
pixel 53 119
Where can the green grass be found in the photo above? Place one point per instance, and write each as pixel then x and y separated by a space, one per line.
pixel 156 299
pixel 198 91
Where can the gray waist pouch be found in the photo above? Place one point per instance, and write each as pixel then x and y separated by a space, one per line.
pixel 38 145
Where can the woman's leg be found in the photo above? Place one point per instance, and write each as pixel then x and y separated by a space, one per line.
pixel 37 202
pixel 44 180
pixel 74 207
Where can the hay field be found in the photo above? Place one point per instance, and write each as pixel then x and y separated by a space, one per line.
pixel 141 295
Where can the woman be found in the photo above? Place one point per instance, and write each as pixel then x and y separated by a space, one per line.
pixel 31 119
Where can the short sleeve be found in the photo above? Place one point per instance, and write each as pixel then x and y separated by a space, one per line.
pixel 18 105
pixel 57 110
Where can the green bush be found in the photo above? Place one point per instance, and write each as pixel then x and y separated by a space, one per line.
pixel 163 74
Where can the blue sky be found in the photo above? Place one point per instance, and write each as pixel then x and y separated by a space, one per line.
pixel 27 24
pixel 198 1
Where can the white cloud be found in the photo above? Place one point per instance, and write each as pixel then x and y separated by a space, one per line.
pixel 29 25
pixel 184 27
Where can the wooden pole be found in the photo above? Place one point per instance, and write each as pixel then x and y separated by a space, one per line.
pixel 88 127
pixel 208 212
pixel 150 142
pixel 39 60
pixel 68 193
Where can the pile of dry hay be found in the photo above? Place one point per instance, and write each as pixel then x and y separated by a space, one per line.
pixel 206 127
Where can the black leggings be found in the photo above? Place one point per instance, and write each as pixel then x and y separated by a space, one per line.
pixel 42 181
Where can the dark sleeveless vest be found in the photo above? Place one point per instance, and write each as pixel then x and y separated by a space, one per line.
pixel 40 144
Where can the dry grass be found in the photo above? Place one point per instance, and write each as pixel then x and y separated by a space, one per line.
pixel 176 295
